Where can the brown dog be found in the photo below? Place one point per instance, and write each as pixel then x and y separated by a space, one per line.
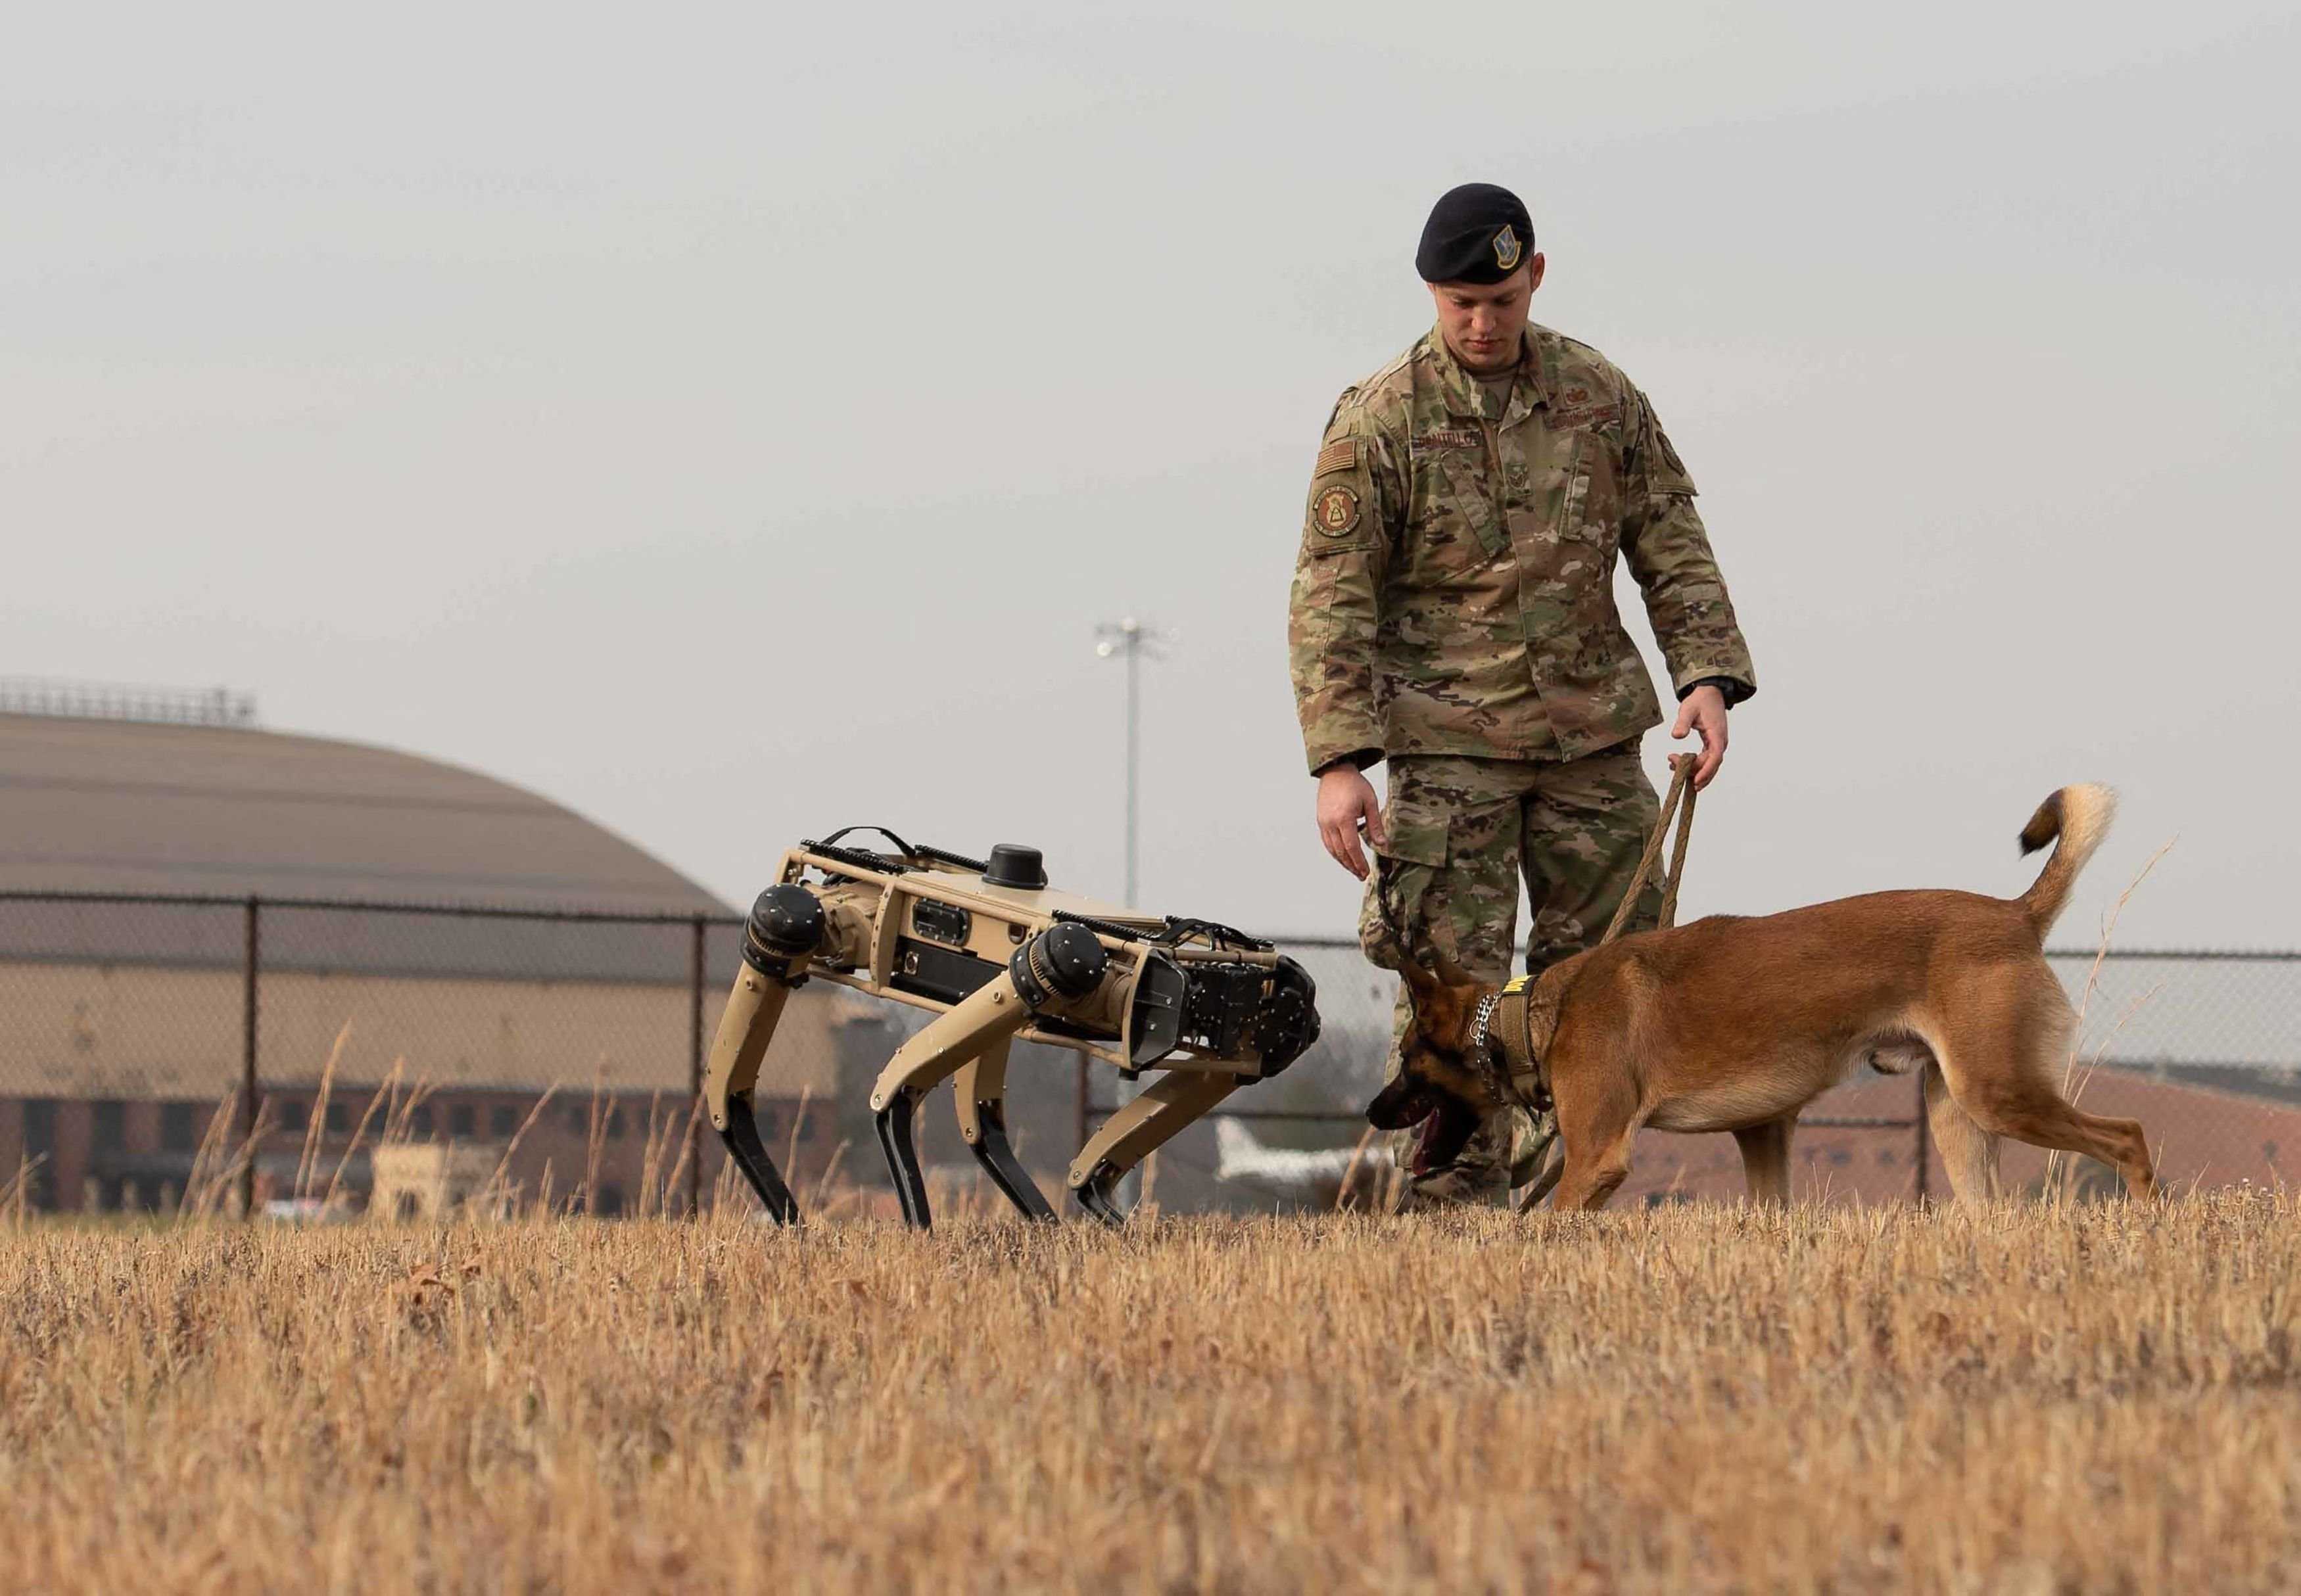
pixel 1732 1024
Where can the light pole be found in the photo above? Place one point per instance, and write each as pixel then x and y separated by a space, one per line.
pixel 1130 640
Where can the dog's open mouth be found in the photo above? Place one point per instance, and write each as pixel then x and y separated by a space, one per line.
pixel 1444 1131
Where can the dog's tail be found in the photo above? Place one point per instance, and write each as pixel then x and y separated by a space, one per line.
pixel 2080 817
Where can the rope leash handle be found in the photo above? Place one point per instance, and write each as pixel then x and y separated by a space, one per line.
pixel 1686 763
pixel 1679 805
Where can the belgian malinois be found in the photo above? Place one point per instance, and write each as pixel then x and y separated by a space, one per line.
pixel 1736 1023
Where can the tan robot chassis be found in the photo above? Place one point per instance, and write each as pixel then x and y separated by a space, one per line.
pixel 998 955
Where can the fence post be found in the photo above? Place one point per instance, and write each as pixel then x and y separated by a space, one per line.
pixel 251 966
pixel 695 1075
pixel 1925 1137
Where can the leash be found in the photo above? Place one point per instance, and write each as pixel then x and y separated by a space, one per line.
pixel 1534 1096
pixel 1680 804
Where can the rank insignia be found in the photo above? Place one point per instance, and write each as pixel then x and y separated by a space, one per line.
pixel 1337 511
pixel 1517 985
pixel 1507 248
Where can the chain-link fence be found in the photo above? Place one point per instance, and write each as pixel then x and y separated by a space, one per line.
pixel 210 1052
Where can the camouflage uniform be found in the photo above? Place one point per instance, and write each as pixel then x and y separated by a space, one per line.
pixel 1453 612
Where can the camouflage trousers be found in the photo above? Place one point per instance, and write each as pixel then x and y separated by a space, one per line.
pixel 1461 835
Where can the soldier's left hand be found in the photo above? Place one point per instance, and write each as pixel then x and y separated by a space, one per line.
pixel 1704 710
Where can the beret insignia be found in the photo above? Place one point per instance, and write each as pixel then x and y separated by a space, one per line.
pixel 1337 511
pixel 1507 248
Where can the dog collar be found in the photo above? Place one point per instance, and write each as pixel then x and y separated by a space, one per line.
pixel 1492 1058
pixel 1494 1054
pixel 1481 1031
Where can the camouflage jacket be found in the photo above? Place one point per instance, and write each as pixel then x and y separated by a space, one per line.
pixel 1455 594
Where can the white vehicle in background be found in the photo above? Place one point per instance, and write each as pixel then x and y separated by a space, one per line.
pixel 1315 1178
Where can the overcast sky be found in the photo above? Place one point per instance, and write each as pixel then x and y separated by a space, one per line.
pixel 732 422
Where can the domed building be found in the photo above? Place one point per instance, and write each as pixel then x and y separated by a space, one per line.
pixel 407 951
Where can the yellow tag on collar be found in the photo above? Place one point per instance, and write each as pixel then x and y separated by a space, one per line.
pixel 1514 985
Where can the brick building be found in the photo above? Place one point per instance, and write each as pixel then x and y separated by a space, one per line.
pixel 123 1022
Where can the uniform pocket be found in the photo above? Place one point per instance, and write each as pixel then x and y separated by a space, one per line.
pixel 1456 525
pixel 1414 836
pixel 1593 511
pixel 1405 867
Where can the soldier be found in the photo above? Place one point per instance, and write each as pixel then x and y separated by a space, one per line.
pixel 1453 612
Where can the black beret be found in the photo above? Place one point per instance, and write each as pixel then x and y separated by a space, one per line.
pixel 1476 233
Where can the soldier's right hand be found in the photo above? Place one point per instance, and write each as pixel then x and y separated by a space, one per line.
pixel 1346 802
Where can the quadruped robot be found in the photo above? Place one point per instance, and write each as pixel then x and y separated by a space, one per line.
pixel 1001 954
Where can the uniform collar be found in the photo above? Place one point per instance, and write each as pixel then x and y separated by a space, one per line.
pixel 1465 397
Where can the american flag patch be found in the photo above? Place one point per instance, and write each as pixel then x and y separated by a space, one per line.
pixel 1337 456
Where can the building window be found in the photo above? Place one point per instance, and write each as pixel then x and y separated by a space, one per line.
pixel 610 1200
pixel 178 1132
pixel 339 1119
pixel 419 1122
pixel 579 1119
pixel 614 1123
pixel 461 1121
pixel 503 1119
pixel 294 1115
pixel 110 1134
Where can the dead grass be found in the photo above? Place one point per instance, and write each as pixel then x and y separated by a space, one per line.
pixel 2094 1398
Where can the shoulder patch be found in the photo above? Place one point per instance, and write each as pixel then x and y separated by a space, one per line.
pixel 1335 511
pixel 1341 454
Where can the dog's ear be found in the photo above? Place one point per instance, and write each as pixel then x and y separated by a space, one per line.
pixel 1451 973
pixel 1421 981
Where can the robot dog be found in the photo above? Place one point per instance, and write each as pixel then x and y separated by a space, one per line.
pixel 999 953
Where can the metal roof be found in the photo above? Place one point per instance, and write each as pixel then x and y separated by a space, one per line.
pixel 118 806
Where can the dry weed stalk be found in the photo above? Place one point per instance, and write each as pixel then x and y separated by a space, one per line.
pixel 651 1150
pixel 218 1166
pixel 400 1126
pixel 383 1094
pixel 2059 1167
pixel 307 1165
pixel 1344 1194
pixel 15 1195
pixel 495 1195
pixel 689 1150
pixel 595 1139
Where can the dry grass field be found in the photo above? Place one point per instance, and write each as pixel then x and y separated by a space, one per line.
pixel 2090 1397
